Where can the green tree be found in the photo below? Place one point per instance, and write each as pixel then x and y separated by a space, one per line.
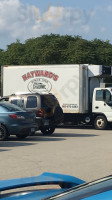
pixel 56 49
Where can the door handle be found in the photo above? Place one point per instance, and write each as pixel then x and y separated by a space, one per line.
pixel 96 107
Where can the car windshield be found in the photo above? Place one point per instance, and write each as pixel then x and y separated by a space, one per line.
pixel 9 107
pixel 86 190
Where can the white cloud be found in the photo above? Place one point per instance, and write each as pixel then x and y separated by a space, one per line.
pixel 109 8
pixel 8 13
pixel 25 21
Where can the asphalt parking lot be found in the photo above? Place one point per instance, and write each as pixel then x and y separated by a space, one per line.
pixel 85 153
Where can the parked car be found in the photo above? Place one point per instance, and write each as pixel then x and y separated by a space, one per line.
pixel 16 121
pixel 45 105
pixel 71 188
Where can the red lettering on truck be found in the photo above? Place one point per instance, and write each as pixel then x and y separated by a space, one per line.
pixel 39 73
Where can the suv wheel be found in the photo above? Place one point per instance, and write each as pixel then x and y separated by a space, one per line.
pixel 47 130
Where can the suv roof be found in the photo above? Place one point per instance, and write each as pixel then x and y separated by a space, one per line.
pixel 29 93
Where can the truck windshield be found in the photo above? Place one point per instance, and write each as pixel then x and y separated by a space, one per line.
pixel 108 97
pixel 104 95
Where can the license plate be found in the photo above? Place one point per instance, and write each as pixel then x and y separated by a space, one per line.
pixel 46 122
pixel 32 129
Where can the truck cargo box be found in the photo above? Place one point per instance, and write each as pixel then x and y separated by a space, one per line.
pixel 69 83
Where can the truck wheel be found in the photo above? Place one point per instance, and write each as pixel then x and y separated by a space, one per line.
pixel 47 130
pixel 3 133
pixel 100 122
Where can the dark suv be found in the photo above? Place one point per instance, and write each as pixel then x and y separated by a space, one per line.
pixel 46 106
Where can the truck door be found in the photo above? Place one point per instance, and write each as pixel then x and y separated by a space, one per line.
pixel 102 102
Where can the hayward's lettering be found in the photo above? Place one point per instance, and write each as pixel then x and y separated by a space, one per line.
pixel 38 73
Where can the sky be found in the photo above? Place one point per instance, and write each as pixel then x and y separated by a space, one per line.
pixel 24 19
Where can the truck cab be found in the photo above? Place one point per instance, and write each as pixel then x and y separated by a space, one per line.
pixel 102 107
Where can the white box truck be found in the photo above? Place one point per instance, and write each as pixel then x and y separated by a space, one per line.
pixel 79 88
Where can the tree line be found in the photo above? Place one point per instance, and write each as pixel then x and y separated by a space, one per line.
pixel 57 49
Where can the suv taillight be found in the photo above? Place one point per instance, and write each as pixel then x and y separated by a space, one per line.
pixel 40 112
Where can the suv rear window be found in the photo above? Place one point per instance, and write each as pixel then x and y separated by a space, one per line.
pixel 31 102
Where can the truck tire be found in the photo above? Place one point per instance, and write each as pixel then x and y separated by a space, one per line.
pixel 100 122
pixel 47 130
pixel 3 133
